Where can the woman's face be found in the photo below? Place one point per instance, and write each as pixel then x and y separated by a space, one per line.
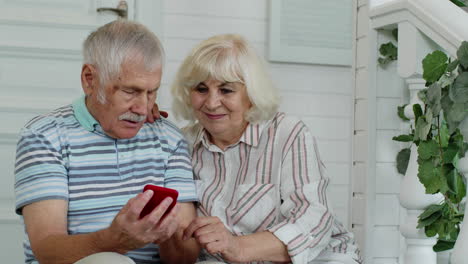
pixel 220 108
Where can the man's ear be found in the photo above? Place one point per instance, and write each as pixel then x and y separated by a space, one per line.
pixel 89 79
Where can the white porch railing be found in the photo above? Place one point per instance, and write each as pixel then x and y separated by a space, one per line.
pixel 423 26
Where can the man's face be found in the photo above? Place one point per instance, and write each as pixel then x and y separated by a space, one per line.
pixel 129 98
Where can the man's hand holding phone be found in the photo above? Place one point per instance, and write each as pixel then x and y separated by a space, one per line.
pixel 131 229
pixel 160 193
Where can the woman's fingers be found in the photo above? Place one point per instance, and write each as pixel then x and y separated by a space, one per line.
pixel 214 247
pixel 198 223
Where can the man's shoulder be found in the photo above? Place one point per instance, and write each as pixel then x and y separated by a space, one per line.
pixel 58 117
pixel 164 128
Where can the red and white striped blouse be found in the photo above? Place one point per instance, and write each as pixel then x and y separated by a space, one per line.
pixel 272 179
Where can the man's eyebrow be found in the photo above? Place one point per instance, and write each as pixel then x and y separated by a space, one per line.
pixel 138 89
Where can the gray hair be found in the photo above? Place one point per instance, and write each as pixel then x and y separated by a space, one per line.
pixel 119 42
pixel 226 58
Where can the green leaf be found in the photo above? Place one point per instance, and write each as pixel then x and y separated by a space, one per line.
pixel 461 189
pixel 430 210
pixel 452 180
pixel 442 245
pixel 434 96
pixel 456 186
pixel 417 110
pixel 457 112
pixel 401 112
pixel 428 149
pixel 462 54
pixel 403 138
pixel 454 115
pixel 434 65
pixel 449 154
pixel 422 127
pixel 431 230
pixel 453 65
pixel 459 90
pixel 389 50
pixel 402 160
pixel 383 61
pixel 463 150
pixel 459 3
pixel 446 102
pixel 444 135
pixel 429 220
pixel 458 140
pixel 422 93
pixel 395 33
pixel 447 79
pixel 430 177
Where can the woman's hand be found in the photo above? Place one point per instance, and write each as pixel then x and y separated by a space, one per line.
pixel 213 236
pixel 154 114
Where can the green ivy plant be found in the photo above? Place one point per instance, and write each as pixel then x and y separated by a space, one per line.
pixel 440 143
pixel 388 51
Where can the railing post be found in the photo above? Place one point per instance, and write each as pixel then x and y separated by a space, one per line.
pixel 459 254
pixel 413 196
pixel 412 48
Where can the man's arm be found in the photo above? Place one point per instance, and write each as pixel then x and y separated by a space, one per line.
pixel 177 250
pixel 46 225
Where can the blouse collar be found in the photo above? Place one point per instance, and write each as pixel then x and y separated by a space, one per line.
pixel 251 135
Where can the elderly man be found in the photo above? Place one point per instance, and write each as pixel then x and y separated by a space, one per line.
pixel 80 169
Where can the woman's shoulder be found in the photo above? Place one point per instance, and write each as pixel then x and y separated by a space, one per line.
pixel 191 132
pixel 286 122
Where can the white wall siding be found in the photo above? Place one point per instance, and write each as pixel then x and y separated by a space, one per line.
pixel 320 95
pixel 389 95
pixel 360 175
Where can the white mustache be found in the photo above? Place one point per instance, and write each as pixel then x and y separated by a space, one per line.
pixel 132 117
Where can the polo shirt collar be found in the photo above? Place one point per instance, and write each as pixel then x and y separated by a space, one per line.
pixel 82 114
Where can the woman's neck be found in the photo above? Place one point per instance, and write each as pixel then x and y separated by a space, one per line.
pixel 227 139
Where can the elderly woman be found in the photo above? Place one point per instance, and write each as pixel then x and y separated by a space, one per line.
pixel 261 183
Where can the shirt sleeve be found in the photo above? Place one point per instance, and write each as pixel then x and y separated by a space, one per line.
pixel 307 225
pixel 40 173
pixel 179 173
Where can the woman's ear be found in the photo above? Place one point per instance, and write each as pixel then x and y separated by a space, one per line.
pixel 89 78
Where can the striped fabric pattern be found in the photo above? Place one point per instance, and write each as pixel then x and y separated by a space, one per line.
pixel 272 179
pixel 58 158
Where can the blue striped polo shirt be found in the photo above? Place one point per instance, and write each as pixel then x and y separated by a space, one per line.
pixel 66 155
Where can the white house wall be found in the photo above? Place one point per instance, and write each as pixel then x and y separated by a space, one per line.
pixel 389 94
pixel 376 122
pixel 360 186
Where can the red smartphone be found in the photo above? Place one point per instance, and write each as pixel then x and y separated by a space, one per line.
pixel 160 193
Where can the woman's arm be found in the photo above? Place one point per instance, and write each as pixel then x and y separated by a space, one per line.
pixel 211 233
pixel 262 246
pixel 307 225
pixel 176 249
